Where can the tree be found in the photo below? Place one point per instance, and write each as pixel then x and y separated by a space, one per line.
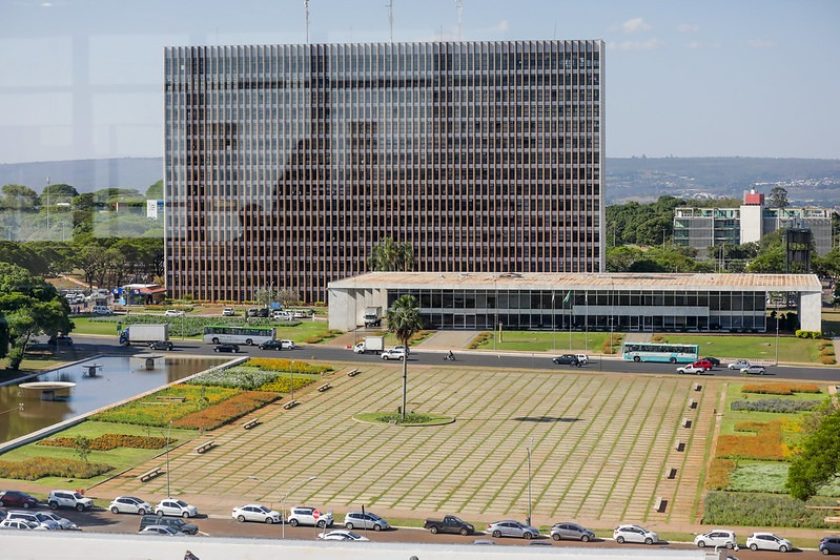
pixel 404 320
pixel 18 197
pixel 817 461
pixel 387 255
pixel 53 194
pixel 155 190
pixel 23 256
pixel 778 197
pixel 81 444
pixel 265 296
pixel 288 297
pixel 29 306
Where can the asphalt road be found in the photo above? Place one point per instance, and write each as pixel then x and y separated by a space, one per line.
pixel 98 344
pixel 106 522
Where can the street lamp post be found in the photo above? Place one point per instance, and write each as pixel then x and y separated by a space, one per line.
pixel 168 440
pixel 530 444
pixel 777 337
pixel 283 504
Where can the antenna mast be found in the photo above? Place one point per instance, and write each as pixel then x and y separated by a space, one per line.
pixel 459 7
pixel 306 9
pixel 390 5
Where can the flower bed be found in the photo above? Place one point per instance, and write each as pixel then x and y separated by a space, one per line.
pixel 107 442
pixel 780 406
pixel 226 411
pixel 765 443
pixel 250 378
pixel 780 388
pixel 284 366
pixel 156 410
pixel 763 510
pixel 40 467
pixel 286 383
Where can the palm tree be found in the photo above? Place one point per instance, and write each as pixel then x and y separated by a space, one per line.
pixel 404 320
pixel 387 255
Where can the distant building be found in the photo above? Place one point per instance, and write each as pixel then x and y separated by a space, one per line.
pixel 154 208
pixel 702 228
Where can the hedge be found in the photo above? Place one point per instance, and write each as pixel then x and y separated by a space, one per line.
pixel 780 406
pixel 807 334
pixel 107 442
pixel 780 388
pixel 283 365
pixel 226 411
pixel 40 467
pixel 764 510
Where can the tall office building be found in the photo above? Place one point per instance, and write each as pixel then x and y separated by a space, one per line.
pixel 286 164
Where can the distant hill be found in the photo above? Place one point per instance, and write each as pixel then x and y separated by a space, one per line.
pixel 808 181
pixel 85 174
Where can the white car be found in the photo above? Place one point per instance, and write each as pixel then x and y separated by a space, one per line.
pixel 583 359
pixel 68 499
pixel 130 504
pixel 716 537
pixel 768 541
pixel 634 533
pixel 738 365
pixel 393 354
pixel 341 536
pixel 63 523
pixel 228 312
pixel 306 515
pixel 281 316
pixel 163 530
pixel 176 508
pixel 255 512
pixel 19 524
pixel 691 369
pixel 173 313
pixel 35 519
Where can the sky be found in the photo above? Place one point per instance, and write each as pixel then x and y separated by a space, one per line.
pixel 82 79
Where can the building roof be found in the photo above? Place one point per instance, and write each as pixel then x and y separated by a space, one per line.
pixel 580 281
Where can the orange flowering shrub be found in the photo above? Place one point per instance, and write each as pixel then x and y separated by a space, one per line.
pixel 226 411
pixel 719 473
pixel 766 443
pixel 780 388
pixel 107 442
pixel 39 467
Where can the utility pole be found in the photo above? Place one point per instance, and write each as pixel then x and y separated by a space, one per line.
pixel 390 5
pixel 459 7
pixel 306 9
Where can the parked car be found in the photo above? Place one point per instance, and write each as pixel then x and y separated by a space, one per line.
pixel 691 368
pixel 567 359
pixel 510 528
pixel 255 512
pixel 714 361
pixel 175 508
pixel 230 348
pixel 102 310
pixel 282 315
pixel 173 313
pixel 357 519
pixel 257 312
pixel 161 345
pixel 162 530
pixel 830 545
pixel 716 537
pixel 130 504
pixel 341 536
pixel 768 541
pixel 176 523
pixel 15 499
pixel 277 345
pixel 19 524
pixel 573 531
pixel 634 533
pixel 393 354
pixel 306 515
pixel 449 524
pixel 704 363
pixel 583 359
pixel 63 523
pixel 67 499
pixel 228 312
pixel 60 340
pixel 35 517
pixel 738 365
pixel 754 370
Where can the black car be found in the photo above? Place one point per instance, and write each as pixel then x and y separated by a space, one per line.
pixel 161 345
pixel 715 361
pixel 567 359
pixel 175 522
pixel 60 340
pixel 15 499
pixel 231 348
pixel 257 312
pixel 271 345
pixel 830 545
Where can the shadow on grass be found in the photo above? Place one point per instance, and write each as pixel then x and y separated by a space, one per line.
pixel 546 419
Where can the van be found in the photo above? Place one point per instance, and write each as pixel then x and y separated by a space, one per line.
pixel 175 522
pixel 102 310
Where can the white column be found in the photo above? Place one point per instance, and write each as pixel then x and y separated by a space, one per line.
pixel 810 311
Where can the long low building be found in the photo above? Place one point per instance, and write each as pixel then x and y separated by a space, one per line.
pixel 567 301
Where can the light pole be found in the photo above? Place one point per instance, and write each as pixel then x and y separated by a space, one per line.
pixel 283 503
pixel 530 444
pixel 168 440
pixel 777 337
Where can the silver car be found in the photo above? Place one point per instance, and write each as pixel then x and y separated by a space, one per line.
pixel 64 523
pixel 571 531
pixel 37 519
pixel 754 370
pixel 510 528
pixel 358 520
pixel 737 365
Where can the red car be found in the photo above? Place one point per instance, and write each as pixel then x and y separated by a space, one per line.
pixel 13 498
pixel 705 364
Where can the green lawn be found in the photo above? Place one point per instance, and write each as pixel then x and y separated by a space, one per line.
pixel 769 476
pixel 541 341
pixel 752 347
pixel 121 458
pixel 831 321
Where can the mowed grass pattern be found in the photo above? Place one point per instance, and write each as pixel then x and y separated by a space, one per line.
pixel 600 447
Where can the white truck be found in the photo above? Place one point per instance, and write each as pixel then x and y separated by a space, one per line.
pixel 373 317
pixel 145 334
pixel 373 344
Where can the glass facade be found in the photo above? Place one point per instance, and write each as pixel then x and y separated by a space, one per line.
pixel 595 310
pixel 285 164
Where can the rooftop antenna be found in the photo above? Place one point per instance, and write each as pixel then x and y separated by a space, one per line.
pixel 306 9
pixel 390 5
pixel 459 7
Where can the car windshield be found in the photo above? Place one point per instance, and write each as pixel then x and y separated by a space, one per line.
pixel 353 535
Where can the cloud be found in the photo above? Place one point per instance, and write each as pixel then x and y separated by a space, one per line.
pixel 648 45
pixel 761 43
pixel 635 24
pixel 702 45
pixel 688 28
pixel 502 26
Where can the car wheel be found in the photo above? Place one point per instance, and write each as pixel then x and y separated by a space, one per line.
pixel 349 526
pixel 141 511
pixel 637 359
pixel 433 530
pixel 730 545
pixel 824 551
pixel 185 515
pixel 557 537
pixel 701 544
pixel 215 341
pixel 377 527
pixel 497 534
pixel 673 360
pixel 648 540
pixel 584 538
pixel 169 347
pixel 322 524
pixel 53 505
pixel 753 547
pixel 114 510
pixel 528 536
pixel 463 532
pixel 293 522
pixel 215 349
pixel 269 520
pixel 249 342
pixel 619 539
pixel 240 518
pixel 783 548
pixel 80 507
pixel 159 513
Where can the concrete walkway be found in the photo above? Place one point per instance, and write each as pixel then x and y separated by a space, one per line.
pixel 448 340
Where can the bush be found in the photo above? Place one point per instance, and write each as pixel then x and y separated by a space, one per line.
pixel 479 340
pixel 287 384
pixel 226 411
pixel 719 473
pixel 40 467
pixel 828 360
pixel 827 351
pixel 808 334
pixel 156 411
pixel 780 388
pixel 239 377
pixel 764 510
pixel 283 365
pixel 780 406
pixel 107 442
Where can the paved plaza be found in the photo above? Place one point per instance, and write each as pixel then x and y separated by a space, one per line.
pixel 603 445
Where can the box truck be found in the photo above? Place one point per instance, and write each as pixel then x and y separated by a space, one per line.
pixel 145 334
pixel 370 344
